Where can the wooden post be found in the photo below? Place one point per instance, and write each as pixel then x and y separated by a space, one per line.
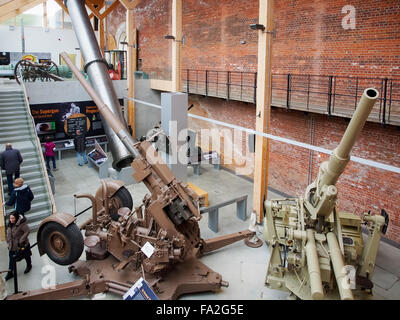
pixel 101 36
pixel 176 46
pixel 45 15
pixel 131 33
pixel 263 106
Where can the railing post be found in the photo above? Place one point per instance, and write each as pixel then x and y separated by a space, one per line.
pixel 356 98
pixel 384 101
pixel 289 80
pixel 187 81
pixel 255 87
pixel 206 82
pixel 308 92
pixel 330 95
pixel 228 85
pixel 390 99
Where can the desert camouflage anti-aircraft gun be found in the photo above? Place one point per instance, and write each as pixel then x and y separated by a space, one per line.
pixel 318 252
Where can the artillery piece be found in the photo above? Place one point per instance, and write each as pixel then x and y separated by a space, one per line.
pixel 318 252
pixel 31 71
pixel 159 240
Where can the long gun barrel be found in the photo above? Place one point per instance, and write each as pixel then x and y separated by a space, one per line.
pixel 113 121
pixel 341 155
pixel 97 70
pixel 321 194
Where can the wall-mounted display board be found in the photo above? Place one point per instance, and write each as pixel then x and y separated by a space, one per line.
pixel 60 120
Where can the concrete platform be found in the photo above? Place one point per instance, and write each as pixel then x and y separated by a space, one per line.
pixel 244 268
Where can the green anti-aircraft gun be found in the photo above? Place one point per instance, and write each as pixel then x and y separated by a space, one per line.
pixel 318 252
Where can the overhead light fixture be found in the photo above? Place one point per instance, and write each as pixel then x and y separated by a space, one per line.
pixel 123 42
pixel 257 26
pixel 168 36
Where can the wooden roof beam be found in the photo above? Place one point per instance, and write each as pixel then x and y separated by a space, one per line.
pixel 13 11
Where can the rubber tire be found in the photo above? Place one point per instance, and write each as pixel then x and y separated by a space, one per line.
pixel 125 198
pixel 72 234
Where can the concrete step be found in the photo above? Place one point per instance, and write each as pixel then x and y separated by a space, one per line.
pixel 5 112
pixel 6 101
pixel 28 176
pixel 34 219
pixel 32 182
pixel 31 154
pixel 5 119
pixel 13 139
pixel 12 99
pixel 38 189
pixel 26 168
pixel 14 123
pixel 12 132
pixel 15 136
pixel 35 207
pixel 34 226
pixel 30 161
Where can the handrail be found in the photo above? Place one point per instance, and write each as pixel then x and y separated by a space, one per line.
pixel 2 211
pixel 39 147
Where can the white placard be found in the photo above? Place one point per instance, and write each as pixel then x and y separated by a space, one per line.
pixel 148 249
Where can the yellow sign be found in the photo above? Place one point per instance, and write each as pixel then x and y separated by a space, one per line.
pixel 29 57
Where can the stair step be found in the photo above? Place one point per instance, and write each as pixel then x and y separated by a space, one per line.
pixel 12 99
pixel 37 217
pixel 15 123
pixel 37 189
pixel 13 118
pixel 20 101
pixel 35 207
pixel 30 168
pixel 7 105
pixel 34 226
pixel 11 111
pixel 13 133
pixel 30 161
pixel 13 139
pixel 30 175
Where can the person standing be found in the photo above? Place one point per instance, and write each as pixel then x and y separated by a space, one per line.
pixel 49 148
pixel 80 146
pixel 11 162
pixel 21 197
pixel 17 237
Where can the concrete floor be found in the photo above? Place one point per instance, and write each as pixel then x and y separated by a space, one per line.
pixel 243 267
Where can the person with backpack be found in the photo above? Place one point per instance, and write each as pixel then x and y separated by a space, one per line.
pixel 21 197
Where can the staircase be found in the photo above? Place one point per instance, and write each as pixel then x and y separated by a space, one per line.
pixel 17 128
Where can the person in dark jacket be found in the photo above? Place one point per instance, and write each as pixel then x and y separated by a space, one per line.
pixel 17 237
pixel 21 197
pixel 80 146
pixel 11 160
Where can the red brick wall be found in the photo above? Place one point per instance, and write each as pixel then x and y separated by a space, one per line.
pixel 310 39
pixel 153 21
pixel 361 188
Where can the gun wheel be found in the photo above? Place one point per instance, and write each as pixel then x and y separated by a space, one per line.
pixel 63 245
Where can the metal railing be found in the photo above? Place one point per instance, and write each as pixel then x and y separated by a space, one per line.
pixel 331 95
pixel 2 211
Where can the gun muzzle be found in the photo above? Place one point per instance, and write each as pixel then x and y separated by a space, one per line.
pixel 341 155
